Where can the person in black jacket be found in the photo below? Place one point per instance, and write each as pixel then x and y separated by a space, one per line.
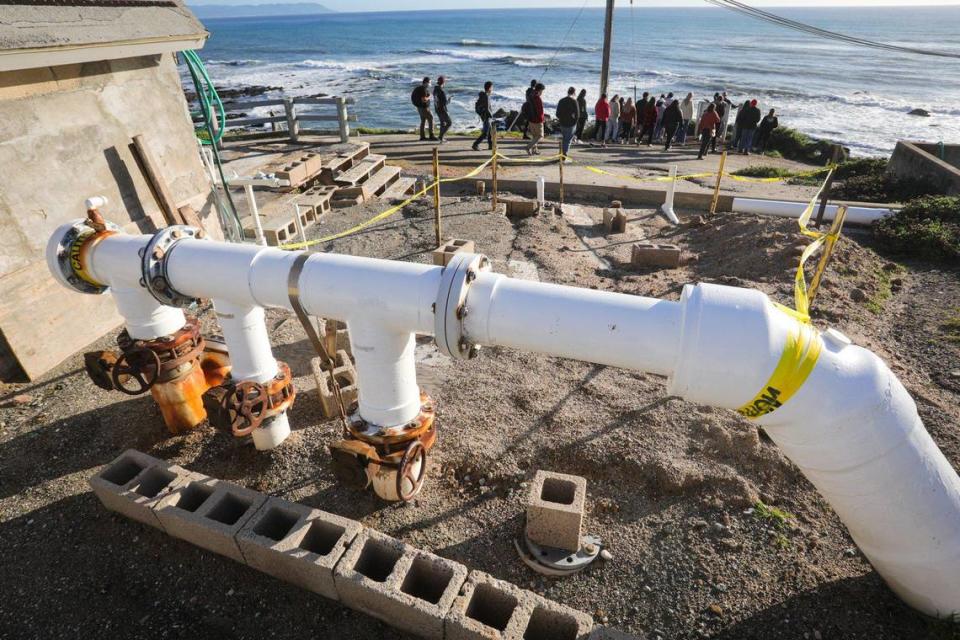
pixel 482 107
pixel 584 116
pixel 748 126
pixel 440 103
pixel 767 125
pixel 421 100
pixel 568 113
pixel 672 119
pixel 525 109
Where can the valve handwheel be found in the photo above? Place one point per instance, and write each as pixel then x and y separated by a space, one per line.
pixel 247 407
pixel 412 471
pixel 139 365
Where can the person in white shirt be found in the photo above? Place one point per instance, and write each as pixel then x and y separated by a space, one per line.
pixel 613 125
pixel 686 109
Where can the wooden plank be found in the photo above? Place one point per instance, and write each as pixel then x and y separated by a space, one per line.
pixel 190 217
pixel 332 100
pixel 44 324
pixel 399 190
pixel 252 104
pixel 158 185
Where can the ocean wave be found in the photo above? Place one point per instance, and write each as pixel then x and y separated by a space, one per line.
pixel 497 57
pixel 235 63
pixel 467 42
pixel 339 65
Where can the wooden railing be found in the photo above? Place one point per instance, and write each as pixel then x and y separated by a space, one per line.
pixel 291 118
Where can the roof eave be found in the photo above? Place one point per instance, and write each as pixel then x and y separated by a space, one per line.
pixel 34 58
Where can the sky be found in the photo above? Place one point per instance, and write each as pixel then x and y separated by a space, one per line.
pixel 394 5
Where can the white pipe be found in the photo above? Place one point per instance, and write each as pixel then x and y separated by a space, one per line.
pixel 255 214
pixel 541 190
pixel 851 428
pixel 667 207
pixel 786 209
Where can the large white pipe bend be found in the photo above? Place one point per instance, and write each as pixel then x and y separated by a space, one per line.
pixel 850 426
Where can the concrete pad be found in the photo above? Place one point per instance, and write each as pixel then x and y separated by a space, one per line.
pixel 555 510
pixel 297 544
pixel 409 589
pixel 209 513
pixel 491 609
pixel 134 482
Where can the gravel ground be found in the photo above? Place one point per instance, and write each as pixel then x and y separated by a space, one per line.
pixel 672 486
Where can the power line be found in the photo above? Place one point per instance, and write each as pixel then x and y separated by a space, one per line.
pixel 766 16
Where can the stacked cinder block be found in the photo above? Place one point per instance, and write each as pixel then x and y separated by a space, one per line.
pixel 444 254
pixel 297 544
pixel 409 589
pixel 491 609
pixel 134 483
pixel 346 377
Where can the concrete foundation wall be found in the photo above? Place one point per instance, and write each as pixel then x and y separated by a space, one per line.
pixel 65 135
pixel 922 161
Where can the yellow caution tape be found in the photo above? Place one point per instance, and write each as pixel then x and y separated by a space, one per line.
pixel 293 246
pixel 800 355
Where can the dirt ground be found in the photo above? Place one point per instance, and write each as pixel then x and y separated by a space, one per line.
pixel 672 486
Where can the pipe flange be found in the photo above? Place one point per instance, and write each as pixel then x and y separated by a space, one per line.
pixel 154 265
pixel 450 308
pixel 68 255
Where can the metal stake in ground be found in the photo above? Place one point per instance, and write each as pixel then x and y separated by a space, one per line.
pixel 436 195
pixel 829 186
pixel 493 186
pixel 716 189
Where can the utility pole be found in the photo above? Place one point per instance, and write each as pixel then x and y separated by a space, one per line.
pixel 607 42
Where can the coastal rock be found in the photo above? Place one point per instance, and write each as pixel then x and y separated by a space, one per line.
pixel 923 113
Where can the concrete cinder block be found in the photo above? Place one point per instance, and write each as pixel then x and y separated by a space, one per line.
pixel 443 255
pixel 346 376
pixel 520 207
pixel 209 513
pixel 555 510
pixel 491 609
pixel 134 482
pixel 648 254
pixel 407 588
pixel 614 220
pixel 297 544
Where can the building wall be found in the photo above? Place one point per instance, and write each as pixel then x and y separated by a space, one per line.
pixel 920 160
pixel 65 135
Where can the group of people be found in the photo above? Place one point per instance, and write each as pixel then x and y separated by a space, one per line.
pixel 665 120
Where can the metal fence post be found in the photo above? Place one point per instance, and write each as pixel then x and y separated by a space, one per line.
pixel 293 125
pixel 342 118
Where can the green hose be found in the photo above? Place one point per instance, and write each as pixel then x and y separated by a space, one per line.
pixel 208 98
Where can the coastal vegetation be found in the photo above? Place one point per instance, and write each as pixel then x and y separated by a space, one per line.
pixel 927 227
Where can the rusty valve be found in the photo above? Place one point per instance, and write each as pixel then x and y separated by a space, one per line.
pixel 99 366
pixel 135 371
pixel 246 408
pixel 242 407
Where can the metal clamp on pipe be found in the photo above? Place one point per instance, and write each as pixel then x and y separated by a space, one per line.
pixel 154 257
pixel 450 308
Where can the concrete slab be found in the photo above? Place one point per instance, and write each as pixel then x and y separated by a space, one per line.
pixel 209 513
pixel 297 544
pixel 555 510
pixel 409 589
pixel 491 609
pixel 133 483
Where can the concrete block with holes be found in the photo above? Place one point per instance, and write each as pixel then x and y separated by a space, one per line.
pixel 346 376
pixel 520 207
pixel 409 589
pixel 209 513
pixel 649 254
pixel 491 609
pixel 134 482
pixel 297 544
pixel 555 510
pixel 443 255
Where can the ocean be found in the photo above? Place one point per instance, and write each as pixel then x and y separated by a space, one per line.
pixel 828 89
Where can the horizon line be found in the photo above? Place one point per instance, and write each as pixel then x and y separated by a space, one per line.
pixel 328 10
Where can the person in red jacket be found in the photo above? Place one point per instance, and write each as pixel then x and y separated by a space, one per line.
pixel 707 130
pixel 536 120
pixel 602 112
